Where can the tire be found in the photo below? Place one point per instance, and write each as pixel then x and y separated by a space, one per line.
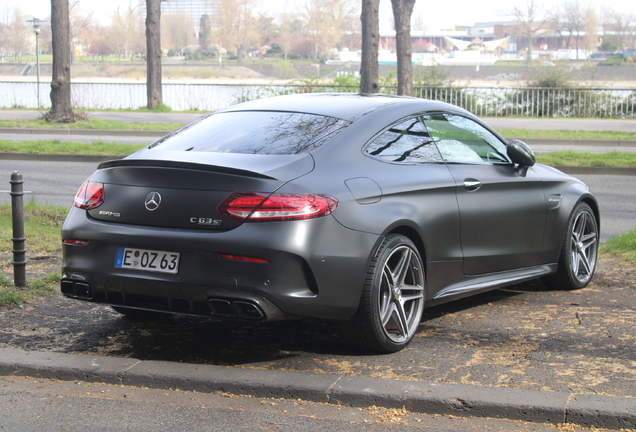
pixel 392 299
pixel 579 251
pixel 140 314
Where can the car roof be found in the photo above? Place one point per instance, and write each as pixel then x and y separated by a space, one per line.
pixel 346 106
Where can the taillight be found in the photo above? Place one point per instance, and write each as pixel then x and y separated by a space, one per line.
pixel 260 207
pixel 89 196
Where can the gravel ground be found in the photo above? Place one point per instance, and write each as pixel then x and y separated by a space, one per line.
pixel 523 337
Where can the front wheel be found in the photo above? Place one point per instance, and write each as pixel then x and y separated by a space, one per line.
pixel 392 298
pixel 578 253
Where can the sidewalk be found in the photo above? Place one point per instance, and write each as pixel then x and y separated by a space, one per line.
pixel 420 397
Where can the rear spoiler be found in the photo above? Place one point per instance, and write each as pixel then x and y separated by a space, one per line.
pixel 182 165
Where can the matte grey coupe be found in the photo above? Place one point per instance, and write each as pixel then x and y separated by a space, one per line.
pixel 361 209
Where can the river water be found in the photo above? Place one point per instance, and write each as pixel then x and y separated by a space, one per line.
pixel 100 96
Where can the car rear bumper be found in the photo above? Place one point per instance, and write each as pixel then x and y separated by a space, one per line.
pixel 315 269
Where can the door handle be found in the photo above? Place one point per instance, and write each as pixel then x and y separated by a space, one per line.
pixel 472 185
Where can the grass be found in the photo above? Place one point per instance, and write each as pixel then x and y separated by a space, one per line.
pixel 623 247
pixel 581 159
pixel 92 124
pixel 12 295
pixel 566 134
pixel 63 147
pixel 42 225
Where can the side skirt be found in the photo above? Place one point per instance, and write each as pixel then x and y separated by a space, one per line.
pixel 481 283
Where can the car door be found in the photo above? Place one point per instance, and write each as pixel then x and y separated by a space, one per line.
pixel 502 213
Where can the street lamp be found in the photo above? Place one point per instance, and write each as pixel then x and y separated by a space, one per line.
pixel 36 30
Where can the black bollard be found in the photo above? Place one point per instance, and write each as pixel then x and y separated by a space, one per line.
pixel 17 213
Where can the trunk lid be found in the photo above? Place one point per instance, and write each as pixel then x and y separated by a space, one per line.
pixel 183 190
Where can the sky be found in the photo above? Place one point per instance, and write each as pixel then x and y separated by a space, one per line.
pixel 436 14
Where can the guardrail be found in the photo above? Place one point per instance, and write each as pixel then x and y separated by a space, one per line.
pixel 484 101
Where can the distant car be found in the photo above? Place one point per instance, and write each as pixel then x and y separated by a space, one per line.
pixel 361 209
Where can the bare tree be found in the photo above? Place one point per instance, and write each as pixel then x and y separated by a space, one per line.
pixel 84 27
pixel 61 110
pixel 235 25
pixel 285 34
pixel 19 34
pixel 574 20
pixel 369 71
pixel 528 18
pixel 591 30
pixel 126 32
pixel 153 54
pixel 402 11
pixel 326 20
pixel 178 31
pixel 622 27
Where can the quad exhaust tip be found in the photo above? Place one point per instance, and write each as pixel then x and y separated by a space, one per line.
pixel 236 309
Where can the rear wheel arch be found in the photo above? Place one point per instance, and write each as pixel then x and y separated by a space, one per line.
pixel 414 236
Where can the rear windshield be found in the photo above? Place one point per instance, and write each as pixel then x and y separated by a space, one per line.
pixel 254 132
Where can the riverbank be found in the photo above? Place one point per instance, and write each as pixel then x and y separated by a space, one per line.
pixel 267 71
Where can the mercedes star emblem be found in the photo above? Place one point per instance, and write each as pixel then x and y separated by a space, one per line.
pixel 152 201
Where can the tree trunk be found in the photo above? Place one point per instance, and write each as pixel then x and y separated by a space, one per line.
pixel 402 11
pixel 153 53
pixel 370 18
pixel 61 110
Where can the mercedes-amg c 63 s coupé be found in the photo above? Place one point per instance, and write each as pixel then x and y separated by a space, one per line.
pixel 362 209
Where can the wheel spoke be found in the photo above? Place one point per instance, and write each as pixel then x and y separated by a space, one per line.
pixel 586 264
pixel 401 268
pixel 401 320
pixel 408 298
pixel 579 225
pixel 575 261
pixel 588 240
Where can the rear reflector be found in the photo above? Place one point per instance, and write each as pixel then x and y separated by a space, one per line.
pixel 75 242
pixel 244 258
pixel 89 196
pixel 259 207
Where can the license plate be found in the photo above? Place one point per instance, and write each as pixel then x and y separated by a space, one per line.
pixel 147 260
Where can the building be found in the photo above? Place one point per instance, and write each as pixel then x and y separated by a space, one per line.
pixel 193 8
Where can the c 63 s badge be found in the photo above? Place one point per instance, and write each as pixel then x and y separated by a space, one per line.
pixel 205 221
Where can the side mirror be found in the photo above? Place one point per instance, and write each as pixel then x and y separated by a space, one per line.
pixel 521 154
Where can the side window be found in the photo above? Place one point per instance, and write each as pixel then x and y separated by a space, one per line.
pixel 406 142
pixel 462 140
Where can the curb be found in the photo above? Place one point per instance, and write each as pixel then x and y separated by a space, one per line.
pixel 430 398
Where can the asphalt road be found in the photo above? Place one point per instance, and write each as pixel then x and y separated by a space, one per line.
pixel 28 405
pixel 56 183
